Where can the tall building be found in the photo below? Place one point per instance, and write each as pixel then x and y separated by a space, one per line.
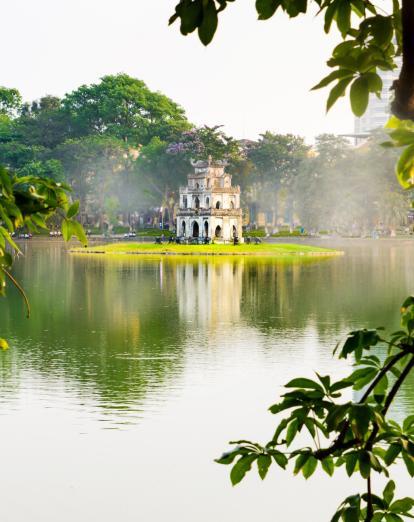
pixel 378 110
pixel 209 205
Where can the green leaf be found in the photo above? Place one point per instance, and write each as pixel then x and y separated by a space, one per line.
pixel 360 415
pixel 280 459
pixel 351 460
pixel 227 457
pixel 343 16
pixel 409 463
pixel 337 92
pixel 328 466
pixel 382 30
pixel 392 453
pixel 191 17
pixel 66 229
pixel 402 505
pixel 329 15
pixel 374 82
pixel 302 382
pixel 263 463
pixel 351 514
pixel 362 376
pixel 77 230
pixel 364 464
pixel 267 8
pixel 336 416
pixel 73 210
pixel 292 431
pixel 359 94
pixel 408 422
pixel 405 167
pixel 300 462
pixel 335 75
pixel 309 467
pixel 242 466
pixel 392 517
pixel 209 24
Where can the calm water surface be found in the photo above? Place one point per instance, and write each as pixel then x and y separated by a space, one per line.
pixel 133 373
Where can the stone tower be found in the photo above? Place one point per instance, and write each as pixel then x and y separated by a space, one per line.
pixel 209 205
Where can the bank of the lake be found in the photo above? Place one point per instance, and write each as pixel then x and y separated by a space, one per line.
pixel 262 249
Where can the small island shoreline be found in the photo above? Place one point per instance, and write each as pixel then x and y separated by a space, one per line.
pixel 262 250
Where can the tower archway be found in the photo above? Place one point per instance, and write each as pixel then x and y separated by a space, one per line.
pixel 218 204
pixel 217 232
pixel 234 231
pixel 196 229
pixel 183 228
pixel 205 228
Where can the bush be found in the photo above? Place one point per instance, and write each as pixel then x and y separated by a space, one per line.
pixel 287 233
pixel 255 233
pixel 154 232
pixel 120 229
pixel 94 231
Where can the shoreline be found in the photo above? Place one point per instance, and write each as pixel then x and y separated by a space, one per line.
pixel 262 250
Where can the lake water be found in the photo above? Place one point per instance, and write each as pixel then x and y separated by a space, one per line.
pixel 133 374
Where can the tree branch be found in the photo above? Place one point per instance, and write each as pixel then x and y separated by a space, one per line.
pixel 403 104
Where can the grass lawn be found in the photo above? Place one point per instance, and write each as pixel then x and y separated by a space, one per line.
pixel 263 249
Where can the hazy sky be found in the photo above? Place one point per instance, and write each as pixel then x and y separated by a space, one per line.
pixel 255 76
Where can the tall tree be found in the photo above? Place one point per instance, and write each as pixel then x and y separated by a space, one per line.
pixel 10 101
pixel 276 161
pixel 125 108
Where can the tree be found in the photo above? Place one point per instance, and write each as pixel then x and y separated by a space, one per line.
pixel 359 434
pixel 204 142
pixel 44 123
pixel 10 101
pixel 94 166
pixel 123 107
pixel 276 161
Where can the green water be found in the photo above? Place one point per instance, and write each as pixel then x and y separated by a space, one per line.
pixel 132 374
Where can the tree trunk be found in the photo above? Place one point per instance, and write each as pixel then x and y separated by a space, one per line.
pixel 403 104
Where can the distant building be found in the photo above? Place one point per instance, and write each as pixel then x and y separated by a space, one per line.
pixel 209 205
pixel 378 110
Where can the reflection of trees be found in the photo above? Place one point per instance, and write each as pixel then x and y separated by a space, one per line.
pixel 106 323
pixel 336 294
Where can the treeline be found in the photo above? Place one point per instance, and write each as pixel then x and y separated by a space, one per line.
pixel 125 149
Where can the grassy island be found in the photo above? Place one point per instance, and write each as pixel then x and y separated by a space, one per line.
pixel 263 249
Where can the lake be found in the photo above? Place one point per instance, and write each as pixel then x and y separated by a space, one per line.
pixel 133 373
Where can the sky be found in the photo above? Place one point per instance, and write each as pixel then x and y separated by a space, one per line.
pixel 255 76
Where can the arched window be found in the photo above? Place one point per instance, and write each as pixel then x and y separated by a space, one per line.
pixel 234 231
pixel 205 228
pixel 218 204
pixel 196 229
pixel 208 202
pixel 208 182
pixel 197 186
pixel 185 201
pixel 217 232
pixel 232 204
pixel 183 228
pixel 197 202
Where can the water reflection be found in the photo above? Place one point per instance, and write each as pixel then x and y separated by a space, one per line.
pixel 120 333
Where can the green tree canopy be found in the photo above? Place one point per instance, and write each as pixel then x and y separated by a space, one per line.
pixel 125 108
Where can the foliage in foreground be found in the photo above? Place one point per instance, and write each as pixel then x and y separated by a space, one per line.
pixel 357 435
pixel 354 434
pixel 29 201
